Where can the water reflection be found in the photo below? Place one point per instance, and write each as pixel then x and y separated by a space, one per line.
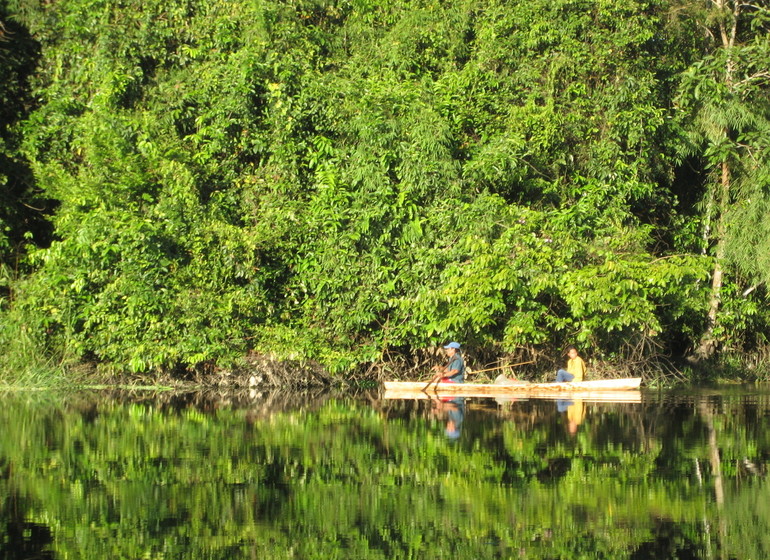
pixel 576 411
pixel 352 476
pixel 454 412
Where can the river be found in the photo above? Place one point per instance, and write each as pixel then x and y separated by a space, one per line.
pixel 298 476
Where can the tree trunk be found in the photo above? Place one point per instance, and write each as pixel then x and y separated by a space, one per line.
pixel 708 342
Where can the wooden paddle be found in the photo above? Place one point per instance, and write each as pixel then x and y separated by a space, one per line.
pixel 470 371
pixel 425 389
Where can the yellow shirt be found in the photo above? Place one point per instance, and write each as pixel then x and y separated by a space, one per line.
pixel 577 367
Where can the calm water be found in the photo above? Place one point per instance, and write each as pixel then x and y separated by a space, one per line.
pixel 338 476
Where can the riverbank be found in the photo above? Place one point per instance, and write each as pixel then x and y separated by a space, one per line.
pixel 266 372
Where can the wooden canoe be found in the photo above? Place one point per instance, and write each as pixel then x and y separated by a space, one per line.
pixel 625 390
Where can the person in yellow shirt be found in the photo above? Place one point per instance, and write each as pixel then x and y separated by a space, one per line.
pixel 576 367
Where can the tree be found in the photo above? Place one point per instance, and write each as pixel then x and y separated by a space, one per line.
pixel 724 96
pixel 333 181
pixel 22 209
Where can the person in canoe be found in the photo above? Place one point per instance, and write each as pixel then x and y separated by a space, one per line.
pixel 454 371
pixel 576 367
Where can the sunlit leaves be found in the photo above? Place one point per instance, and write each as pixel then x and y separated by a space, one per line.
pixel 326 181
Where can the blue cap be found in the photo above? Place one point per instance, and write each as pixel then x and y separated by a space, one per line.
pixel 455 345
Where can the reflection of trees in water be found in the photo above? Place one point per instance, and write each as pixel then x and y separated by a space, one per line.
pixel 725 439
pixel 743 513
pixel 384 477
pixel 24 540
pixel 258 403
pixel 21 539
pixel 747 515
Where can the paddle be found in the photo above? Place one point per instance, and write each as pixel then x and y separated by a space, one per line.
pixel 470 371
pixel 437 379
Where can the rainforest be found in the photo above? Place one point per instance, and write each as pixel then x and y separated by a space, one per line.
pixel 308 190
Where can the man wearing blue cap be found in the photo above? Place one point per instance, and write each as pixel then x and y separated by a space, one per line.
pixel 454 371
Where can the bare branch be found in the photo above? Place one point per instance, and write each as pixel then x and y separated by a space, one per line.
pixel 758 76
pixel 753 6
pixel 749 150
pixel 747 291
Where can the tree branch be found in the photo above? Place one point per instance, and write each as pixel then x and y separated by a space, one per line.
pixel 757 76
pixel 754 6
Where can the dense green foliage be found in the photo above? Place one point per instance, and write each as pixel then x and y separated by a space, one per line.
pixel 21 202
pixel 338 180
pixel 724 99
pixel 140 480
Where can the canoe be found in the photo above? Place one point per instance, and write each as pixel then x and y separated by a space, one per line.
pixel 626 390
